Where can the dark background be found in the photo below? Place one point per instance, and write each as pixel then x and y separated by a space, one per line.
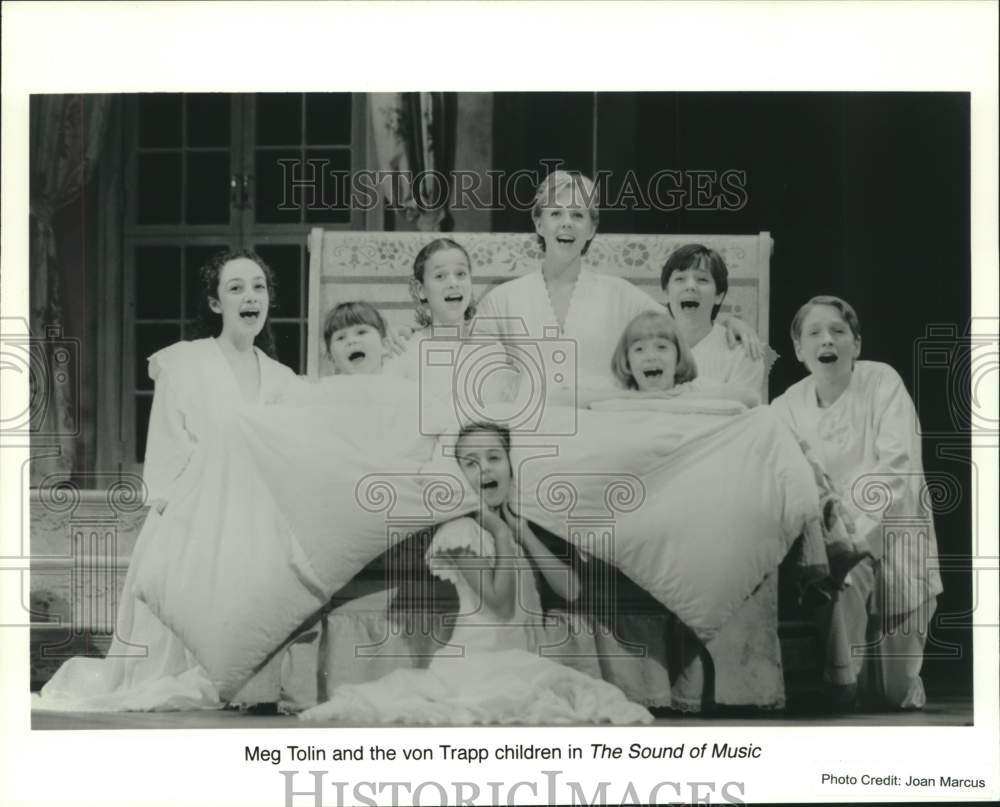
pixel 866 196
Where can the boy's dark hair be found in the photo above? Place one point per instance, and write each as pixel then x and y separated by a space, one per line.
pixel 695 256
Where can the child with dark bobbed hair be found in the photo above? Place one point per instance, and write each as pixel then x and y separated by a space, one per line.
pixel 354 334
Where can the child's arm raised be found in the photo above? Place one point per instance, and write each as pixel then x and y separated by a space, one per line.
pixel 558 574
pixel 496 585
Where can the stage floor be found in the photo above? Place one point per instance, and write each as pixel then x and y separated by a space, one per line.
pixel 942 711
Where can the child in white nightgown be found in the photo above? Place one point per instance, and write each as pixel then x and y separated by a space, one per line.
pixel 476 370
pixel 652 361
pixel 490 671
pixel 354 641
pixel 198 385
pixel 695 280
pixel 860 421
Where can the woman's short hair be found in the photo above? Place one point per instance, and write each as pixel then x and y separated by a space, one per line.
pixel 696 256
pixel 420 264
pixel 549 188
pixel 347 315
pixel 646 325
pixel 847 313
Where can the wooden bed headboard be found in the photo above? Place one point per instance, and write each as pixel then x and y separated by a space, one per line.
pixel 377 266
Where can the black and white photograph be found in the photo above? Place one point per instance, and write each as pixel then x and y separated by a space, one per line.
pixel 489 441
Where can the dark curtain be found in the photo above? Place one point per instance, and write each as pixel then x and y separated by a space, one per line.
pixel 414 148
pixel 65 138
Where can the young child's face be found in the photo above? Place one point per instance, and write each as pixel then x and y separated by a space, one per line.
pixel 827 346
pixel 485 463
pixel 357 350
pixel 692 294
pixel 652 361
pixel 447 285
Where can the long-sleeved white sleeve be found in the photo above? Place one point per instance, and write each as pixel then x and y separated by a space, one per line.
pixel 169 442
pixel 895 479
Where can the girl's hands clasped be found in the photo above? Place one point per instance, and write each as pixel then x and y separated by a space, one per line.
pixel 518 525
pixel 493 521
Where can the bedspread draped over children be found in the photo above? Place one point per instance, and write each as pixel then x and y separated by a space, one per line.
pixel 259 483
pixel 498 676
pixel 198 385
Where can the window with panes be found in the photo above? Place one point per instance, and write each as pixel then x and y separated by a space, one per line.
pixel 215 171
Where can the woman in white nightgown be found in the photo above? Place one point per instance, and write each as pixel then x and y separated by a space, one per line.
pixel 564 301
pixel 861 423
pixel 198 384
pixel 491 670
pixel 565 310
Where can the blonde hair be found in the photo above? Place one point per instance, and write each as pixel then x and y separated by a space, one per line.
pixel 844 308
pixel 548 189
pixel 652 324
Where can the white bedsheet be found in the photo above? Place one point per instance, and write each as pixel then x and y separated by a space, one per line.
pixel 295 500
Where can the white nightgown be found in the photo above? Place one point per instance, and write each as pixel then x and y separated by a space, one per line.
pixel 460 375
pixel 869 442
pixel 490 672
pixel 472 371
pixel 717 361
pixel 520 313
pixel 147 667
pixel 870 435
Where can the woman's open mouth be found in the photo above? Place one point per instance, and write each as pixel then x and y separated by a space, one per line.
pixel 356 356
pixel 491 485
pixel 690 304
pixel 455 298
pixel 653 372
pixel 827 358
pixel 250 314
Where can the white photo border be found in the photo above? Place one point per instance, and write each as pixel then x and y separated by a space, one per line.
pixel 252 47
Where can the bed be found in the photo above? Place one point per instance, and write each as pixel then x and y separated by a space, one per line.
pixel 377 266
